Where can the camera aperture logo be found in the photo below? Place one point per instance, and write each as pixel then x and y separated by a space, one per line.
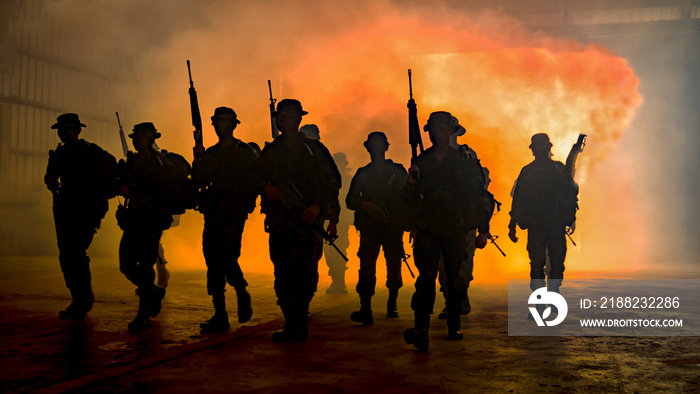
pixel 544 300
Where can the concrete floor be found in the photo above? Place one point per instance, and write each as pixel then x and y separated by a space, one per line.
pixel 41 352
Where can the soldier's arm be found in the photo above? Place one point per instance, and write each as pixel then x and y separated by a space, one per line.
pixel 52 172
pixel 353 200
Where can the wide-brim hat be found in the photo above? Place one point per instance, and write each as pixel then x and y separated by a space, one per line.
pixel 440 116
pixel 69 120
pixel 225 112
pixel 145 128
pixel 460 129
pixel 540 139
pixel 378 135
pixel 289 107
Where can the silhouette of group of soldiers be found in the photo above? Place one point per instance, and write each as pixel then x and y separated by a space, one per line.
pixel 442 200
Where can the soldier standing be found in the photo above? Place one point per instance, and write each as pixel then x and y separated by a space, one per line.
pixel 468 266
pixel 380 216
pixel 300 181
pixel 336 264
pixel 148 186
pixel 224 174
pixel 446 192
pixel 82 178
pixel 544 204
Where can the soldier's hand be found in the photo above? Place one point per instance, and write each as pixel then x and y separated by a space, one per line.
pixel 570 229
pixel 332 229
pixel 310 214
pixel 481 240
pixel 413 174
pixel 372 210
pixel 272 192
pixel 511 235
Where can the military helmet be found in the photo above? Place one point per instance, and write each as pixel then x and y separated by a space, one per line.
pixel 68 121
pixel 540 139
pixel 146 128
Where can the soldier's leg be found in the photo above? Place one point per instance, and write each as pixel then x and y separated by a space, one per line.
pixel 536 248
pixel 74 235
pixel 234 274
pixel 468 269
pixel 370 243
pixel 426 253
pixel 281 244
pixel 214 257
pixel 392 243
pixel 308 254
pixel 336 264
pixel 161 270
pixel 454 250
pixel 556 245
pixel 128 256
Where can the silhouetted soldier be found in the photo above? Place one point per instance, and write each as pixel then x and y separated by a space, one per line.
pixel 228 192
pixel 148 183
pixel 468 265
pixel 446 190
pixel 543 200
pixel 82 177
pixel 380 216
pixel 336 264
pixel 300 181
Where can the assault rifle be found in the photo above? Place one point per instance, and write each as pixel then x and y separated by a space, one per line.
pixel 194 109
pixel 414 137
pixel 291 200
pixel 273 122
pixel 125 147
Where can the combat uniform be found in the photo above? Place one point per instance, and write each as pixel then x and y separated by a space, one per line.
pixel 449 200
pixel 384 189
pixel 228 194
pixel 82 177
pixel 305 169
pixel 150 190
pixel 535 208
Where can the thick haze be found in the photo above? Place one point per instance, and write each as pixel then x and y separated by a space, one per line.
pixel 347 63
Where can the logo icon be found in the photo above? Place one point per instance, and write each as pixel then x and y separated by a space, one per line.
pixel 547 298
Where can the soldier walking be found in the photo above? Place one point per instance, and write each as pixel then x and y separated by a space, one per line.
pixel 545 204
pixel 147 182
pixel 380 216
pixel 445 192
pixel 228 190
pixel 300 181
pixel 82 178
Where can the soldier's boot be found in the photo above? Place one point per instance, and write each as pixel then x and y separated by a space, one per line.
pixel 245 307
pixel 142 321
pixel 218 322
pixel 81 304
pixel 466 306
pixel 364 315
pixel 443 313
pixel 454 324
pixel 418 335
pixel 302 332
pixel 337 284
pixel 285 333
pixel 392 310
pixel 156 300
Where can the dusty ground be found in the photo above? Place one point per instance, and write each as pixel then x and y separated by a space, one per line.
pixel 42 352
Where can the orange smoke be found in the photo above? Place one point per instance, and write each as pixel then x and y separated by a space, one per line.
pixel 502 82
